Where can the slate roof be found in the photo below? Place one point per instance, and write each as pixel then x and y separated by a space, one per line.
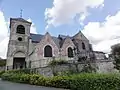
pixel 62 39
pixel 62 36
pixel 36 38
pixel 56 40
pixel 20 19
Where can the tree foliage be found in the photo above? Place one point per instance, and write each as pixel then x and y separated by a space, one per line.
pixel 2 63
pixel 116 56
pixel 116 49
pixel 57 62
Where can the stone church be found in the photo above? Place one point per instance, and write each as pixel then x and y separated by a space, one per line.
pixel 27 50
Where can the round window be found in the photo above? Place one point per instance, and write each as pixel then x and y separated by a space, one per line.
pixel 19 39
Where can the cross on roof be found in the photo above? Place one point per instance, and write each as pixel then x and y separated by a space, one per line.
pixel 21 13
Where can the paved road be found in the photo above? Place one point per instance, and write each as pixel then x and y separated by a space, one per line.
pixel 15 86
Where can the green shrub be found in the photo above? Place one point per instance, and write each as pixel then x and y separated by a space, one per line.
pixel 59 82
pixel 21 71
pixel 57 62
pixel 24 78
pixel 84 81
pixel 1 72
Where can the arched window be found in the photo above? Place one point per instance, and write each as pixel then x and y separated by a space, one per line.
pixel 20 29
pixel 70 52
pixel 47 51
pixel 83 46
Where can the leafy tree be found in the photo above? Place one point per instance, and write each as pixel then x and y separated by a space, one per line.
pixel 117 63
pixel 116 56
pixel 116 49
pixel 2 63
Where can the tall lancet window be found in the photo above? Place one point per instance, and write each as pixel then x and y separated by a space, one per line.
pixel 70 52
pixel 83 46
pixel 48 51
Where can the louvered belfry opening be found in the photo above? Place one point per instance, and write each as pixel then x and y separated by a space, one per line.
pixel 20 29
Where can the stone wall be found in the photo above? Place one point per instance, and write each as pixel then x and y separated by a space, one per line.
pixel 106 67
pixel 101 67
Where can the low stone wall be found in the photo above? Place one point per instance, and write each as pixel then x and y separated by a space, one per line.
pixel 101 67
pixel 46 71
pixel 106 67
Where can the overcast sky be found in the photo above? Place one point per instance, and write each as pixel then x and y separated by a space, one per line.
pixel 99 20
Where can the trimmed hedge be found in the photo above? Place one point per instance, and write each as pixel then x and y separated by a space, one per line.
pixel 74 82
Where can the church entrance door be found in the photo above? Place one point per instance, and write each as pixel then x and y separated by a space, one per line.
pixel 19 63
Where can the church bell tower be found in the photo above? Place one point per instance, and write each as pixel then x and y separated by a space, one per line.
pixel 17 55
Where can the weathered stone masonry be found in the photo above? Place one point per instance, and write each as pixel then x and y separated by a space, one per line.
pixel 35 50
